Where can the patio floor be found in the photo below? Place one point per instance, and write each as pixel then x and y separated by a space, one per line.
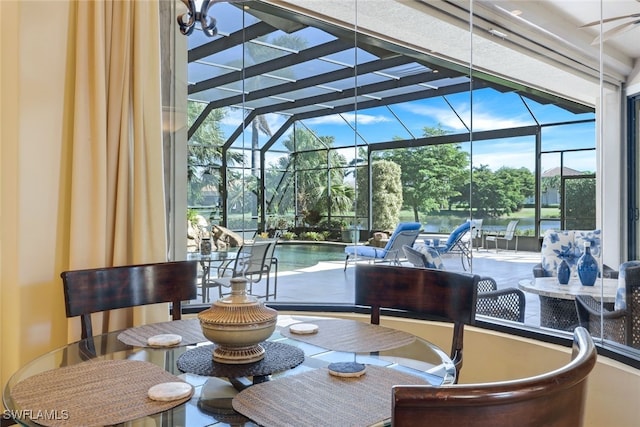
pixel 326 282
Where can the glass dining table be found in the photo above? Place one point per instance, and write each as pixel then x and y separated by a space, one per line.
pixel 288 391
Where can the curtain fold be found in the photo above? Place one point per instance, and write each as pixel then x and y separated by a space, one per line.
pixel 117 186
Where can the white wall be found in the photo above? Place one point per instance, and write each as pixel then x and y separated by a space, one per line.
pixel 611 177
pixel 633 83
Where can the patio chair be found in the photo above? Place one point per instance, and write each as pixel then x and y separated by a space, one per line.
pixel 507 235
pixel 428 293
pixel 621 324
pixel 254 262
pixel 507 303
pixel 555 398
pixel 423 257
pixel 459 243
pixel 101 289
pixel 476 232
pixel 405 233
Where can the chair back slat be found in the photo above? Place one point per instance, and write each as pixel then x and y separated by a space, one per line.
pixel 506 303
pixel 556 398
pixel 476 228
pixel 511 230
pixel 487 284
pixel 446 295
pixel 403 228
pixel 456 236
pixel 256 254
pixel 101 289
pixel 403 238
pixel 257 260
pixel 416 258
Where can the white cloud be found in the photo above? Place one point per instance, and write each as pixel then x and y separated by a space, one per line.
pixel 487 122
pixel 444 116
pixel 233 117
pixel 511 159
pixel 481 121
pixel 363 119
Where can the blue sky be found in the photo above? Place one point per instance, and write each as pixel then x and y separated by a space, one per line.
pixel 492 110
pixel 484 109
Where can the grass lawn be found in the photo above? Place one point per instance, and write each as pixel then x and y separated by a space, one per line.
pixel 551 212
pixel 446 220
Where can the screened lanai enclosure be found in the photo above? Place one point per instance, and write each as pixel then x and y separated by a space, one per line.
pixel 302 125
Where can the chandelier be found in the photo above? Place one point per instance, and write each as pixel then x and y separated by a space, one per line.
pixel 187 21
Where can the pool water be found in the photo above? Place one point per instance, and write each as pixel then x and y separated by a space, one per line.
pixel 301 255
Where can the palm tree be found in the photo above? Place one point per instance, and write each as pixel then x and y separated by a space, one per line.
pixel 205 152
pixel 318 174
pixel 257 53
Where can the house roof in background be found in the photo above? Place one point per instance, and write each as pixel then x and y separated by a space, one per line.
pixel 556 171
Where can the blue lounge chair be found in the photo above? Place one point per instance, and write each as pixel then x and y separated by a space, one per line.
pixel 405 234
pixel 459 242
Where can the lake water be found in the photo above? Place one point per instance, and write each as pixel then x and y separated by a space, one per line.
pixel 447 224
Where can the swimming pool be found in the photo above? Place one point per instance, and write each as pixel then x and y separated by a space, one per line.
pixel 293 256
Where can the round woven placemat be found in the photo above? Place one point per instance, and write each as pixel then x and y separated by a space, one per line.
pixel 352 336
pixel 93 393
pixel 188 329
pixel 316 398
pixel 278 357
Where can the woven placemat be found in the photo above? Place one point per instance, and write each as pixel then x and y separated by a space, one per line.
pixel 352 336
pixel 93 393
pixel 189 330
pixel 316 398
pixel 278 357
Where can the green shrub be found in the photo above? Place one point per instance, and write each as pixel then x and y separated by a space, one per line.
pixel 386 195
pixel 312 236
pixel 288 235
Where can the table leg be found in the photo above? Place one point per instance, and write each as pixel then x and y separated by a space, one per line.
pixel 206 269
pixel 242 383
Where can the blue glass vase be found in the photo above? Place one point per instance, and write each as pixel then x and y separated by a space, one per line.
pixel 587 267
pixel 564 272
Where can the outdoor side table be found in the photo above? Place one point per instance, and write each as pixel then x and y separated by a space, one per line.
pixel 557 306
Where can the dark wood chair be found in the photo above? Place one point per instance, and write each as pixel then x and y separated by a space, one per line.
pixel 101 289
pixel 507 303
pixel 433 294
pixel 5 422
pixel 556 398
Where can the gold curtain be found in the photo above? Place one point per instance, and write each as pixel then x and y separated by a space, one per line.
pixel 117 193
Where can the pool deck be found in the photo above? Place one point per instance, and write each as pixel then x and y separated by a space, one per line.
pixel 327 282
